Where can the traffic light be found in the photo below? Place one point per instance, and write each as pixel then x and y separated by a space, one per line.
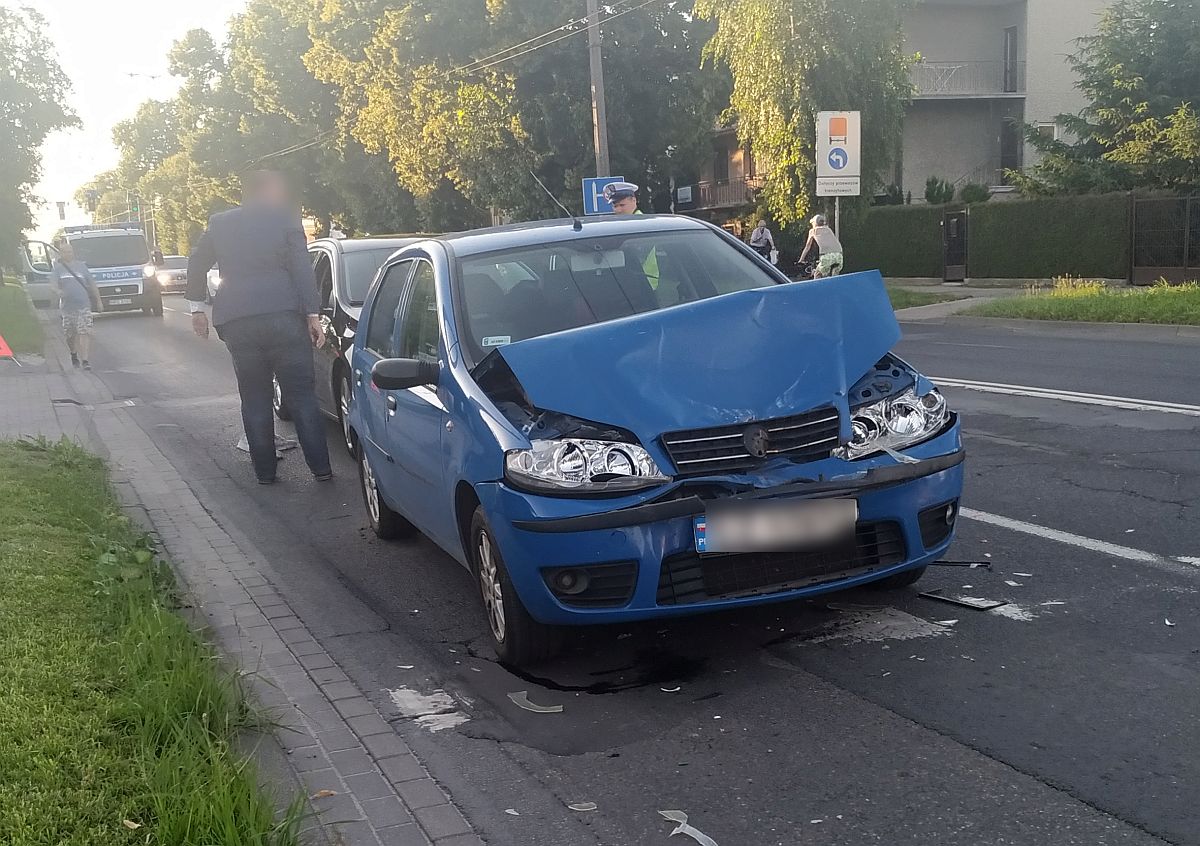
pixel 136 207
pixel 93 200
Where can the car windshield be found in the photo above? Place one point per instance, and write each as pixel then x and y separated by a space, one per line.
pixel 175 262
pixel 361 266
pixel 111 250
pixel 523 293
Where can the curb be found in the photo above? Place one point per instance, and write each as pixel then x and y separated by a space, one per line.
pixel 365 785
pixel 1141 331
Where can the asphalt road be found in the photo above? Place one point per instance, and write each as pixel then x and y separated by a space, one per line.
pixel 1066 717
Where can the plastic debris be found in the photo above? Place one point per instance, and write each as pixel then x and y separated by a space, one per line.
pixel 1011 583
pixel 964 601
pixel 1169 624
pixel 512 812
pixel 970 565
pixel 521 700
pixel 323 794
pixel 815 822
pixel 685 829
pixel 1024 575
pixel 671 689
pixel 946 623
pixel 1054 602
pixel 583 806
pixel 404 666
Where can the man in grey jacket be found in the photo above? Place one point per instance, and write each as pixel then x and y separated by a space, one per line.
pixel 266 311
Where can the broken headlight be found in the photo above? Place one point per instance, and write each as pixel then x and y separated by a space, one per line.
pixel 587 466
pixel 895 423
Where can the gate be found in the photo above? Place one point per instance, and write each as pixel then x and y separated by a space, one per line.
pixel 954 246
pixel 1166 240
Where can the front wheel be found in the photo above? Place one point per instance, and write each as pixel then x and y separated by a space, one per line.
pixel 518 639
pixel 277 403
pixel 385 522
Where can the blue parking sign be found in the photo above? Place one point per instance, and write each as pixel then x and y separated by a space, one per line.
pixel 593 194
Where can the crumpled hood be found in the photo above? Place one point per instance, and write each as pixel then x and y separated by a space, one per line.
pixel 751 355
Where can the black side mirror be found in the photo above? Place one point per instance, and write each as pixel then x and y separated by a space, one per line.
pixel 398 374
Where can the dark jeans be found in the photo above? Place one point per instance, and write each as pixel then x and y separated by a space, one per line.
pixel 276 345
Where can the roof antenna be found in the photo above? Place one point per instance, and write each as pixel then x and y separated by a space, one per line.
pixel 577 224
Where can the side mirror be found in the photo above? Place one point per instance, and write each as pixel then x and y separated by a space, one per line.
pixel 398 374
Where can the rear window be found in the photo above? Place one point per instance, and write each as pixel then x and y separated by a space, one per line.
pixel 513 295
pixel 111 250
pixel 361 267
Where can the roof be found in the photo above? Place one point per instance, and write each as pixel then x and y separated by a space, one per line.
pixel 539 232
pixel 353 245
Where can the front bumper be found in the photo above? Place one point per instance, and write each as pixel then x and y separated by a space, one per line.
pixel 647 550
pixel 130 296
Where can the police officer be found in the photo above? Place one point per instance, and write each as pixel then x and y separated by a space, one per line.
pixel 622 196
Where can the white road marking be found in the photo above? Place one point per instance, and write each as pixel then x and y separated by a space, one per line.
pixel 1180 566
pixel 1124 403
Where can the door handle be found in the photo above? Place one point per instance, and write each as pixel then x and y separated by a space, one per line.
pixel 391 405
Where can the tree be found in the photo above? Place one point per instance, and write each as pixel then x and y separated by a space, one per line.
pixel 1140 73
pixel 33 90
pixel 793 58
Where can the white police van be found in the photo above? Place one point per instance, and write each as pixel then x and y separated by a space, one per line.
pixel 119 259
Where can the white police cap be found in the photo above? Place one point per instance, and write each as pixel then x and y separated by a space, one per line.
pixel 617 190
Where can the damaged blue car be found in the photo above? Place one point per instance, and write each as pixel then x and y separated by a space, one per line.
pixel 629 418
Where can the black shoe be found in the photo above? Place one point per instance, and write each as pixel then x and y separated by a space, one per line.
pixel 87 365
pixel 323 477
pixel 74 360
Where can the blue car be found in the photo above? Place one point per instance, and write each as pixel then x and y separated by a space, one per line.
pixel 628 418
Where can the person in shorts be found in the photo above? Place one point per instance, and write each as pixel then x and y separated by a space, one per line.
pixel 77 297
pixel 824 239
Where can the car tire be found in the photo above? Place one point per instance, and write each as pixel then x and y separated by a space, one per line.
pixel 277 403
pixel 519 640
pixel 901 580
pixel 386 523
pixel 345 396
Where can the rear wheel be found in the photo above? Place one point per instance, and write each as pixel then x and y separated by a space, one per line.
pixel 277 403
pixel 385 522
pixel 900 580
pixel 345 398
pixel 518 639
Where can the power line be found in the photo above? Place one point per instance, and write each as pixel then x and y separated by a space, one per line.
pixel 469 65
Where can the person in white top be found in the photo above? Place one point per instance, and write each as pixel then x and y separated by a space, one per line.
pixel 827 242
pixel 762 241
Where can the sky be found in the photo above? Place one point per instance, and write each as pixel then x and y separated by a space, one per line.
pixel 115 54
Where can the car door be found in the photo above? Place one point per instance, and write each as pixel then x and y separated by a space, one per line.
pixel 325 357
pixel 371 403
pixel 415 429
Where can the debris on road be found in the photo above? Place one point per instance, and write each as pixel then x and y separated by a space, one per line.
pixel 946 623
pixel 583 807
pixel 970 565
pixel 323 794
pixel 1011 583
pixel 1054 602
pixel 521 700
pixel 1024 575
pixel 675 689
pixel 685 829
pixel 1169 624
pixel 436 711
pixel 964 601
pixel 512 812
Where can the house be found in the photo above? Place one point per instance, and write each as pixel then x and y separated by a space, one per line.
pixel 988 69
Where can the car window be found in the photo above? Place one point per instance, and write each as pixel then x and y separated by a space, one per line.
pixel 381 327
pixel 360 267
pixel 419 332
pixel 323 270
pixel 527 292
pixel 99 251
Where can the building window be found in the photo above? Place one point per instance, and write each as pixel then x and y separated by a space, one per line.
pixel 1011 148
pixel 1049 131
pixel 1012 82
pixel 721 163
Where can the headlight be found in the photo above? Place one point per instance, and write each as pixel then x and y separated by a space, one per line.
pixel 215 281
pixel 895 423
pixel 149 270
pixel 164 279
pixel 583 465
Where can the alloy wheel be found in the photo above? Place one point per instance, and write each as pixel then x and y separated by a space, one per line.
pixel 489 586
pixel 346 397
pixel 371 491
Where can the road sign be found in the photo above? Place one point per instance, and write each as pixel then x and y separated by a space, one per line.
pixel 839 154
pixel 593 194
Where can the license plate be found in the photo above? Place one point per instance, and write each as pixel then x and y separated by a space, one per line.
pixel 120 302
pixel 774 526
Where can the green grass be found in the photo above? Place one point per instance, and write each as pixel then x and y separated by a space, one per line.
pixel 18 322
pixel 115 719
pixel 1082 300
pixel 904 298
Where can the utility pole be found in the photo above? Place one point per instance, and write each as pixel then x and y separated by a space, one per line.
pixel 599 112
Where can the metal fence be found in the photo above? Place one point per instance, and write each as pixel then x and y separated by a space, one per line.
pixel 1166 239
pixel 964 79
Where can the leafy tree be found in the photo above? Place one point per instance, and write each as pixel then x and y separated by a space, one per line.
pixel 973 192
pixel 33 90
pixel 938 191
pixel 793 58
pixel 1140 73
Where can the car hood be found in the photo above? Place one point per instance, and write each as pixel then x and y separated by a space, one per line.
pixel 751 355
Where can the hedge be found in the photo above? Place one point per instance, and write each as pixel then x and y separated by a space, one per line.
pixel 1036 238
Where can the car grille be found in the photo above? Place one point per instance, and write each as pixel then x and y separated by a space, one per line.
pixel 608 585
pixel 723 449
pixel 126 290
pixel 689 578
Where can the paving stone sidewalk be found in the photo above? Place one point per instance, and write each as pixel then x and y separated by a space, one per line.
pixel 366 786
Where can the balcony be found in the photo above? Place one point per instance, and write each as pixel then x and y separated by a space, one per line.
pixel 720 194
pixel 958 80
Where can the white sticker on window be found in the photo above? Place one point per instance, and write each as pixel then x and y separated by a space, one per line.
pixel 497 341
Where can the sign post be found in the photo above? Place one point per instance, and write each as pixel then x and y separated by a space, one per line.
pixel 839 158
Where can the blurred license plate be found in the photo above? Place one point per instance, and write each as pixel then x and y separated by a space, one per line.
pixel 774 526
pixel 120 302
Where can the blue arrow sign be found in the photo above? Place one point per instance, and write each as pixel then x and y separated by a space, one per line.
pixel 838 158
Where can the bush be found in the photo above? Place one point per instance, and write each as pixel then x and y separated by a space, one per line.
pixel 897 240
pixel 973 193
pixel 938 191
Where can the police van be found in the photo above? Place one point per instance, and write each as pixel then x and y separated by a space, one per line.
pixel 119 259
